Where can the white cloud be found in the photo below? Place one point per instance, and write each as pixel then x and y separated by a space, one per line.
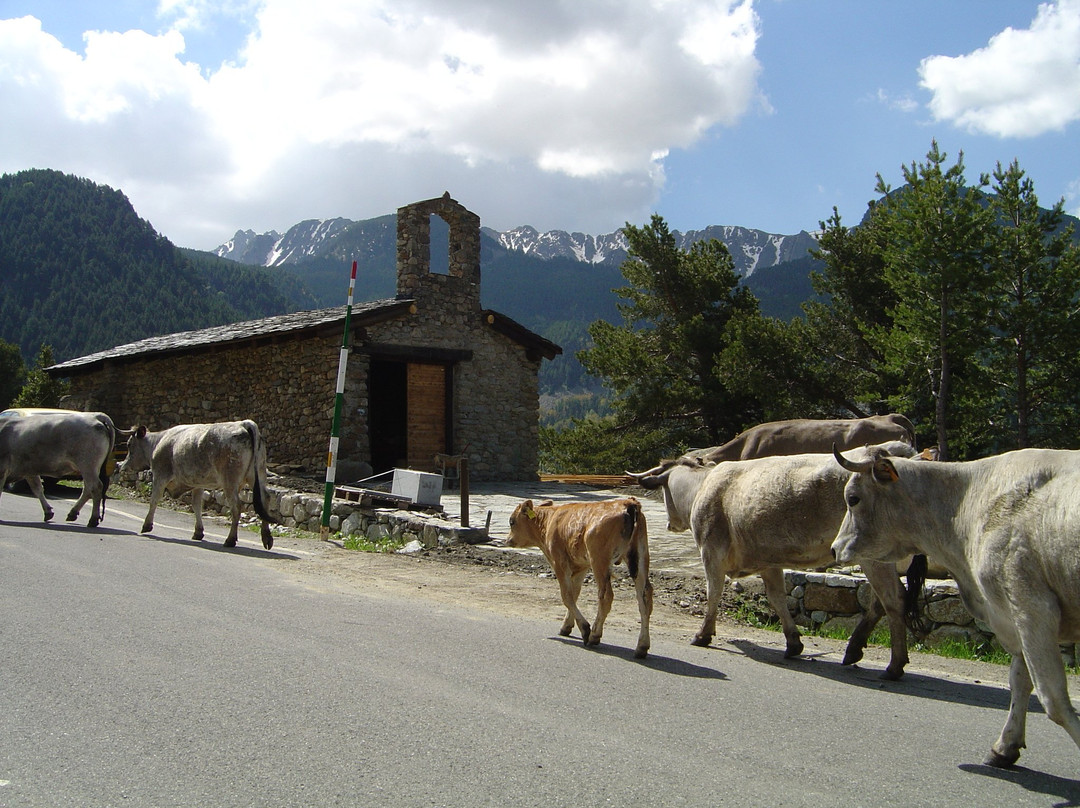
pixel 1022 84
pixel 904 103
pixel 555 114
pixel 1072 198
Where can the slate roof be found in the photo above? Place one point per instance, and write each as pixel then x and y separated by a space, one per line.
pixel 290 326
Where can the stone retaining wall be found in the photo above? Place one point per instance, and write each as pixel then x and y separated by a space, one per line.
pixel 840 599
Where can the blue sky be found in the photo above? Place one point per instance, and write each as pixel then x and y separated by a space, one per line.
pixel 215 116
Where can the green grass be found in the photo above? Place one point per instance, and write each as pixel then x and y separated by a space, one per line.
pixel 961 649
pixel 366 545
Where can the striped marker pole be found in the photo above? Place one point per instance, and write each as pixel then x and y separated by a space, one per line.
pixel 335 429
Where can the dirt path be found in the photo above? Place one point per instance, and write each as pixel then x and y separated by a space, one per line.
pixel 516 584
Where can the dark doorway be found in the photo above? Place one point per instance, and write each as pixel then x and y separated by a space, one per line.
pixel 388 414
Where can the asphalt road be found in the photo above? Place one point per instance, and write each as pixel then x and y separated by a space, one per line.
pixel 151 671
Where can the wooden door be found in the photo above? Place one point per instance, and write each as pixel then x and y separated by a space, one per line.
pixel 426 416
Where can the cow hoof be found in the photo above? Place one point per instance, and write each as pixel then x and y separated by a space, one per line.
pixel 92 523
pixel 565 631
pixel 999 761
pixel 701 640
pixel 641 653
pixel 852 656
pixel 147 527
pixel 48 516
pixel 229 542
pixel 71 517
pixel 889 675
pixel 793 651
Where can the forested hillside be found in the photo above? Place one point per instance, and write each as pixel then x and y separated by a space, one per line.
pixel 79 270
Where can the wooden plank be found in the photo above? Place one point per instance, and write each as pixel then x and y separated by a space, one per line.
pixel 599 480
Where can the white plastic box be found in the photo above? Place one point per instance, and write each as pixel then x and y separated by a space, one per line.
pixel 419 486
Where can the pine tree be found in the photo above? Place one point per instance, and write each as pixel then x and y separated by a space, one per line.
pixel 41 389
pixel 1033 360
pixel 661 363
pixel 937 234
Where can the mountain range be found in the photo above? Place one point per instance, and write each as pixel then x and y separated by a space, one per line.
pixel 750 249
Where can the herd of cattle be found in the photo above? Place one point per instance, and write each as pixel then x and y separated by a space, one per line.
pixel 791 494
pixel 189 457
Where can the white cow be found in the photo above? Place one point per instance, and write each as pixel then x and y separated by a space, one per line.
pixel 771 513
pixel 1008 528
pixel 59 444
pixel 222 456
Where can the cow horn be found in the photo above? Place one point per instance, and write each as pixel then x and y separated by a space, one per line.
pixel 651 472
pixel 651 479
pixel 851 465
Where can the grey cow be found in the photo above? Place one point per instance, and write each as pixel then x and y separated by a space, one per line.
pixel 1008 528
pixel 771 513
pixel 803 435
pixel 59 444
pixel 198 457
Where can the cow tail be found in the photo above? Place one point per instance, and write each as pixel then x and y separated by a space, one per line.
pixel 258 458
pixel 103 472
pixel 916 577
pixel 630 523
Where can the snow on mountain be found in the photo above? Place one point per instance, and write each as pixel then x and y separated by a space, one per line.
pixel 308 239
pixel 751 249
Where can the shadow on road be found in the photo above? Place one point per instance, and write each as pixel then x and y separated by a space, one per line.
pixel 70 527
pixel 101 531
pixel 1033 781
pixel 911 684
pixel 216 546
pixel 678 667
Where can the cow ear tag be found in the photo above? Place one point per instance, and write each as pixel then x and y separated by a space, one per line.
pixel 530 513
pixel 885 472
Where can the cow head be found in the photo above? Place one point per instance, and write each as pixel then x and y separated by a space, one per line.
pixel 525 530
pixel 140 450
pixel 680 478
pixel 864 532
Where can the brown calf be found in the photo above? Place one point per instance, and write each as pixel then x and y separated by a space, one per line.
pixel 579 536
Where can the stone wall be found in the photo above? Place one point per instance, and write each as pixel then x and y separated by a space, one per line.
pixel 287 388
pixel 836 599
pixel 496 407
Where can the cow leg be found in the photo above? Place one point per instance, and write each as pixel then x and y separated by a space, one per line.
pixel 573 614
pixel 715 577
pixel 234 509
pixel 35 486
pixel 889 597
pixel 643 585
pixel 1006 749
pixel 570 588
pixel 605 595
pixel 196 507
pixel 156 490
pixel 777 595
pixel 90 488
pixel 1038 637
